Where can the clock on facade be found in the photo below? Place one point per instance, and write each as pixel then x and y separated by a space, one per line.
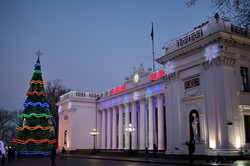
pixel 136 78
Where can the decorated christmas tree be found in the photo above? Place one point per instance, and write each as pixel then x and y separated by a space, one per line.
pixel 35 136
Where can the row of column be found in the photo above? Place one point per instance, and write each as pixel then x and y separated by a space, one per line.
pixel 144 136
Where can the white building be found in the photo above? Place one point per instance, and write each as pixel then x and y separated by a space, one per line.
pixel 201 93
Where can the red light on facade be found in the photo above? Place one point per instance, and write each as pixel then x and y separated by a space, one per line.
pixel 157 75
pixel 118 89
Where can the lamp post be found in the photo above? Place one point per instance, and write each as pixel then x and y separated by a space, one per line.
pixel 130 130
pixel 94 133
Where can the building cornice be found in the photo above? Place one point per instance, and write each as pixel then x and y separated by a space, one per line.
pixel 219 61
pixel 136 88
pixel 79 100
pixel 220 36
pixel 192 48
pixel 192 98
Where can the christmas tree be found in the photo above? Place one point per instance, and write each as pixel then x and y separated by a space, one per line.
pixel 35 136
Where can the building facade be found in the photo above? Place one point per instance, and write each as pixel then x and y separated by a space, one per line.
pixel 201 93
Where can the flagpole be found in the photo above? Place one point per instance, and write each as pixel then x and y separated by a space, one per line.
pixel 153 50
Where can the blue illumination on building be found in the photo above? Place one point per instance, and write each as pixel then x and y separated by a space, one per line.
pixel 157 88
pixel 119 99
pixel 102 104
pixel 148 91
pixel 125 98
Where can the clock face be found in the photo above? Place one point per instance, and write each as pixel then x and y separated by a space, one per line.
pixel 136 78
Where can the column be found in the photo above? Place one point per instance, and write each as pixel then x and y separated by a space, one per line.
pixel 142 125
pixel 121 128
pixel 69 131
pixel 127 119
pixel 114 129
pixel 170 97
pixel 150 123
pixel 61 128
pixel 161 145
pixel 134 124
pixel 109 129
pixel 103 129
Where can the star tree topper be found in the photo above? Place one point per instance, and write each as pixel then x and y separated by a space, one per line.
pixel 38 53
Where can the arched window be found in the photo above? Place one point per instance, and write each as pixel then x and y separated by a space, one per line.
pixel 194 125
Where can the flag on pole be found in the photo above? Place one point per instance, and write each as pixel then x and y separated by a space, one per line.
pixel 152 32
pixel 153 52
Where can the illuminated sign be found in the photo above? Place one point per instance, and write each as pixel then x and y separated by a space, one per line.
pixel 157 75
pixel 118 89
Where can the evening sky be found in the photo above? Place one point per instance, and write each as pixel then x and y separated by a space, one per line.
pixel 90 45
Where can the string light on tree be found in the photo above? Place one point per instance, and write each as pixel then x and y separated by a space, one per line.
pixel 35 136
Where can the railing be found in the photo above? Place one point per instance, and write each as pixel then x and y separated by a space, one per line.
pixel 78 94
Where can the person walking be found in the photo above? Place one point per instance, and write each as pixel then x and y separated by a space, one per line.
pixel 9 155
pixel 146 153
pixel 191 150
pixel 13 154
pixel 63 153
pixel 3 159
pixel 154 151
pixel 53 157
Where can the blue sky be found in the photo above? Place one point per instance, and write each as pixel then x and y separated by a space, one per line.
pixel 91 45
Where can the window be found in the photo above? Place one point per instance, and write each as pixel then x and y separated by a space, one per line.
pixel 192 83
pixel 66 119
pixel 244 79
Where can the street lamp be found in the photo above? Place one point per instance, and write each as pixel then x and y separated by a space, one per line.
pixel 130 130
pixel 94 133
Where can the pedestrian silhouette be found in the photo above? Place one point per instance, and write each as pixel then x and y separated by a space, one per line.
pixel 63 153
pixel 3 159
pixel 13 154
pixel 154 151
pixel 191 150
pixel 146 153
pixel 53 157
pixel 9 155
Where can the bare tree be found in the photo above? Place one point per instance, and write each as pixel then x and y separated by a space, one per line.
pixel 237 11
pixel 54 89
pixel 8 122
